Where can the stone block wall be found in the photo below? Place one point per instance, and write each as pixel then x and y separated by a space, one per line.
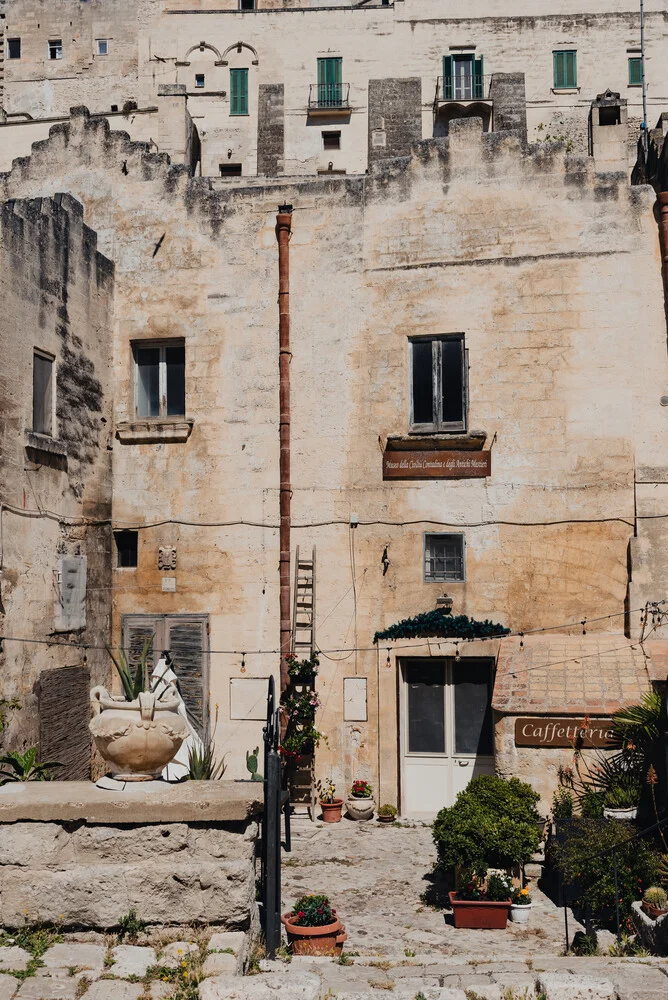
pixel 270 129
pixel 395 117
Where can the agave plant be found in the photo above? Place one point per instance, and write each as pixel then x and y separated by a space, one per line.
pixel 15 766
pixel 203 764
pixel 134 683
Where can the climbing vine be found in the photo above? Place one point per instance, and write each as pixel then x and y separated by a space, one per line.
pixel 441 624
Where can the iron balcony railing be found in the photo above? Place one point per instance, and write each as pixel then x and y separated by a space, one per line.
pixel 329 95
pixel 472 87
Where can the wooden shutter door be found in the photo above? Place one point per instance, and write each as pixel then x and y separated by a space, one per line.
pixel 137 629
pixel 187 642
pixel 478 79
pixel 447 78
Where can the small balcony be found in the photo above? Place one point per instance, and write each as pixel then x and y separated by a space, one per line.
pixel 462 87
pixel 329 99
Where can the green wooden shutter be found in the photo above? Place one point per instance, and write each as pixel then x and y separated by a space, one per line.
pixel 565 69
pixel 187 643
pixel 635 71
pixel 238 91
pixel 447 78
pixel 478 79
pixel 330 78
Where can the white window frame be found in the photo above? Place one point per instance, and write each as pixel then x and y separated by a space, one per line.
pixel 438 425
pixel 47 356
pixel 427 535
pixel 98 43
pixel 162 346
pixel 57 45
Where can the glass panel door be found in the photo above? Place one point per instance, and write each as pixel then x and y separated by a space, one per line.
pixel 425 681
pixel 463 74
pixel 471 682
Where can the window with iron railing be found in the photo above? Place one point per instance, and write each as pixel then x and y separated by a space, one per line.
pixel 330 87
pixel 463 78
pixel 443 558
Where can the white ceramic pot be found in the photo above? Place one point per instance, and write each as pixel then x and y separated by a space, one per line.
pixel 137 738
pixel 520 914
pixel 360 808
pixel 620 813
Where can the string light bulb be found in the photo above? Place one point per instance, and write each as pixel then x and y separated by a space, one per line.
pixel 584 622
pixel 388 662
pixel 521 640
pixel 243 663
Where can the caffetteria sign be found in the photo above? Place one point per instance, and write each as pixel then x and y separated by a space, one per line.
pixel 551 732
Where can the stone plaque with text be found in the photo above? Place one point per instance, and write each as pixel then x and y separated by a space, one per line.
pixel 437 464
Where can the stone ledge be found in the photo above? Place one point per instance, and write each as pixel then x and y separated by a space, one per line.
pixel 190 802
pixel 45 443
pixel 154 431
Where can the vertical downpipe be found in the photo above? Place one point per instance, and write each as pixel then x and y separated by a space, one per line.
pixel 662 219
pixel 283 232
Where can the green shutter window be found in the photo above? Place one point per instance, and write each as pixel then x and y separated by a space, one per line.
pixel 635 71
pixel 447 78
pixel 330 78
pixel 238 91
pixel 478 81
pixel 565 69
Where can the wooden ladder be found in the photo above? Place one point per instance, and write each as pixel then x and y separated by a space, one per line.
pixel 302 785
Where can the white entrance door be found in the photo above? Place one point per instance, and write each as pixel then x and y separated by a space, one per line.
pixel 446 730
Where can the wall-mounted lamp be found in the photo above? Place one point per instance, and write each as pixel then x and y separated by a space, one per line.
pixel 229 154
pixel 444 602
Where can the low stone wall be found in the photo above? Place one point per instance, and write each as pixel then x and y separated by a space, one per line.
pixel 81 857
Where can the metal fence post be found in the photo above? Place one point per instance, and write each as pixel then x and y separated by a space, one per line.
pixel 614 870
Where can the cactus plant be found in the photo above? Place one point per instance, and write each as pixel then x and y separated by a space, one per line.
pixel 655 896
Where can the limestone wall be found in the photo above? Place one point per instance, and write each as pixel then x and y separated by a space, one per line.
pixel 57 293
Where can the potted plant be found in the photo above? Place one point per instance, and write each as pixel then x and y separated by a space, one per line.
pixel 387 813
pixel 482 901
pixel 520 908
pixel 137 733
pixel 313 927
pixel 655 902
pixel 330 805
pixel 360 803
pixel 622 797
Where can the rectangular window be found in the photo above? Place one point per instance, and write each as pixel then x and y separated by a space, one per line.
pixel 13 48
pixel 126 548
pixel 55 48
pixel 199 80
pixel 443 558
pixel 160 380
pixel 330 79
pixel 238 91
pixel 331 140
pixel 246 4
pixel 438 384
pixel 102 46
pixel 42 393
pixel 472 682
pixel 463 78
pixel 635 71
pixel 565 69
pixel 230 169
pixel 425 681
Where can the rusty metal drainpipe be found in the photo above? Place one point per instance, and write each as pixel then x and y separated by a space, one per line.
pixel 283 232
pixel 662 219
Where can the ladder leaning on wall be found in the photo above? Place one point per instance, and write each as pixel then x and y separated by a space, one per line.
pixel 302 777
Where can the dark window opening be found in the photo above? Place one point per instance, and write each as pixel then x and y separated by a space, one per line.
pixel 199 80
pixel 13 48
pixel 160 380
pixel 473 710
pixel 230 169
pixel 126 548
pixel 55 48
pixel 114 107
pixel 246 4
pixel 443 558
pixel 438 384
pixel 331 140
pixel 426 707
pixel 42 394
pixel 609 116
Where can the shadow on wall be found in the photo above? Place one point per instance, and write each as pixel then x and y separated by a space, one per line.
pixel 453 112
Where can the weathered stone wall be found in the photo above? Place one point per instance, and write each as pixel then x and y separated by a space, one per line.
pixel 57 297
pixel 395 119
pixel 271 129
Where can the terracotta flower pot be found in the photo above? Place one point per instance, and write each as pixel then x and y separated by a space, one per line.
pixel 653 912
pixel 360 808
pixel 386 819
pixel 331 811
pixel 325 940
pixel 479 914
pixel 137 738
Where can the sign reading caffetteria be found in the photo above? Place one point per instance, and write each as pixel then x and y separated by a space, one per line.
pixel 437 464
pixel 563 732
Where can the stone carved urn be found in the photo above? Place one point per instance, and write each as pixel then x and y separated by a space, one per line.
pixel 137 738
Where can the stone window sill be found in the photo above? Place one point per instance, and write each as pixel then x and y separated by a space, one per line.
pixel 45 443
pixel 458 441
pixel 154 431
pixel 565 90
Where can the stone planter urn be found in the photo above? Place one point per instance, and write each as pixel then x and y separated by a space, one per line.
pixel 627 814
pixel 137 738
pixel 520 913
pixel 360 808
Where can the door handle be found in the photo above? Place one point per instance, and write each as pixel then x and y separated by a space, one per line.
pixel 463 763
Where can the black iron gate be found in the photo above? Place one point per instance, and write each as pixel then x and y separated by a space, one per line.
pixel 276 800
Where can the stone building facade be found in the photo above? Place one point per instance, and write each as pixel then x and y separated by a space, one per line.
pixel 464 302
pixel 55 469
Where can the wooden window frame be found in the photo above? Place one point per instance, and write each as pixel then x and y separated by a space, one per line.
pixel 427 535
pixel 161 345
pixel 438 425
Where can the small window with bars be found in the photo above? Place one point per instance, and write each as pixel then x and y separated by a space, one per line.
pixel 160 379
pixel 565 69
pixel 443 558
pixel 438 383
